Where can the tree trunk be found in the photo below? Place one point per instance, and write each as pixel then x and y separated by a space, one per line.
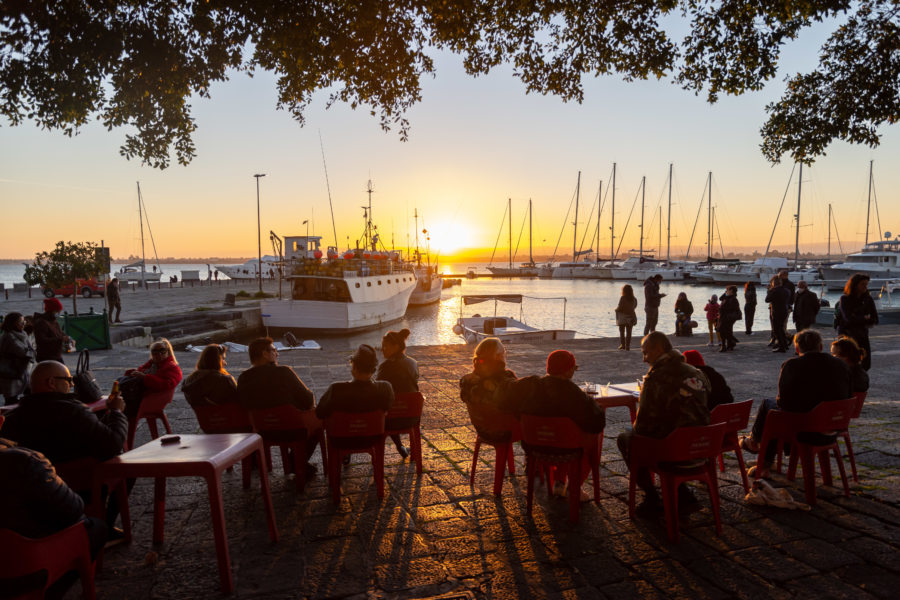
pixel 75 296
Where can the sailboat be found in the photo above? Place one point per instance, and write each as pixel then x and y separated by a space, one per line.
pixel 570 270
pixel 428 281
pixel 137 271
pixel 526 269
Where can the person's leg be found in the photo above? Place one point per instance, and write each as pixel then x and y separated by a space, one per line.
pixel 644 481
pixel 621 337
pixel 646 320
pixel 652 318
pixel 712 330
pixel 863 341
pixel 759 424
pixel 749 312
pixel 628 337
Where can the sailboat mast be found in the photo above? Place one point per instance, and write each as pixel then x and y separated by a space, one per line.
pixel 869 202
pixel 369 233
pixel 509 211
pixel 797 234
pixel 599 208
pixel 416 221
pixel 530 255
pixel 643 193
pixel 141 217
pixel 659 241
pixel 669 221
pixel 612 222
pixel 829 231
pixel 575 229
pixel 709 219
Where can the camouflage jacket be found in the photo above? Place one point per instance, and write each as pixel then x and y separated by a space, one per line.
pixel 674 395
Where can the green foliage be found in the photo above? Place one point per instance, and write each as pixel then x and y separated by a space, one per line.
pixel 242 294
pixel 64 265
pixel 136 63
pixel 261 295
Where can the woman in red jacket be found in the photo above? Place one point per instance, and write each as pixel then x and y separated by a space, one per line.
pixel 159 374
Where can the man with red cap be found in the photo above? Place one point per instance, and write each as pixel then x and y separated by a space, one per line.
pixel 556 395
pixel 50 341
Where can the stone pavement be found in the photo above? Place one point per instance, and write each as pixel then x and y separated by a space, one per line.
pixel 434 534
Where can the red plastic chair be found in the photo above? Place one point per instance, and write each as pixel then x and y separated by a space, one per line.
pixel 783 427
pixel 151 408
pixel 408 406
pixel 351 433
pixel 555 443
pixel 736 416
pixel 289 428
pixel 57 554
pixel 845 433
pixel 227 418
pixel 488 418
pixel 682 445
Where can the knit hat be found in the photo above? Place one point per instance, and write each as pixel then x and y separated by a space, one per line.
pixel 694 358
pixel 365 359
pixel 52 305
pixel 560 362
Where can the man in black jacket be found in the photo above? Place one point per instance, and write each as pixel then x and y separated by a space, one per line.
pixel 779 299
pixel 651 301
pixel 360 394
pixel 556 395
pixel 806 307
pixel 266 384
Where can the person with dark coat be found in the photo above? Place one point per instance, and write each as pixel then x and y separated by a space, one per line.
pixel 266 384
pixel 778 298
pixel 719 392
pixel 729 314
pixel 652 298
pixel 159 374
pixel 683 311
pixel 805 381
pixel 626 316
pixel 488 385
pixel 210 383
pixel 49 339
pixel 749 306
pixel 556 395
pixel 114 299
pixel 17 356
pixel 36 503
pixel 806 307
pixel 858 314
pixel 362 393
pixel 402 372
pixel 846 349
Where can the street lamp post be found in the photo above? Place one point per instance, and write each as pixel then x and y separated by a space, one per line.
pixel 258 234
pixel 306 222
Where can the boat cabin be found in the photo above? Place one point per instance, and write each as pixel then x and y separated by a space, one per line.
pixel 301 246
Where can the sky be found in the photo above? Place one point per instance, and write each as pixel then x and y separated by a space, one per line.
pixel 474 143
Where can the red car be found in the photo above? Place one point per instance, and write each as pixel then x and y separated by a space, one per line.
pixel 86 287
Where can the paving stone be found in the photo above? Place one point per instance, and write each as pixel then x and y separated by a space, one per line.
pixel 735 580
pixel 771 564
pixel 633 588
pixel 409 574
pixel 874 551
pixel 817 587
pixel 873 579
pixel 600 569
pixel 819 554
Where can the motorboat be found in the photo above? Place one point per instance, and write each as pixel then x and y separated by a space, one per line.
pixel 879 260
pixel 137 271
pixel 759 272
pixel 250 269
pixel 476 328
pixel 428 286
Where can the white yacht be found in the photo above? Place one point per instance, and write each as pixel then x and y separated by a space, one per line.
pixel 250 269
pixel 137 271
pixel 759 272
pixel 879 260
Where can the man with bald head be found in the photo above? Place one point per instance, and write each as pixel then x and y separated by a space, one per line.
pixel 53 421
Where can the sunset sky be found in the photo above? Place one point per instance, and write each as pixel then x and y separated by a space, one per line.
pixel 473 144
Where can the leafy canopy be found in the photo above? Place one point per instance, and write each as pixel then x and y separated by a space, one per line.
pixel 64 265
pixel 136 63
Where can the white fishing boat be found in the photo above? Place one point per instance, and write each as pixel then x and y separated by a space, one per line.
pixel 879 260
pixel 361 289
pixel 428 281
pixel 475 328
pixel 250 269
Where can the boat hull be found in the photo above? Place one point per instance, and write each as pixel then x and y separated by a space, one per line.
pixel 513 271
pixel 432 293
pixel 836 277
pixel 472 329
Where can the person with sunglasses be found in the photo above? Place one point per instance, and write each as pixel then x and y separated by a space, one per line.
pixel 159 374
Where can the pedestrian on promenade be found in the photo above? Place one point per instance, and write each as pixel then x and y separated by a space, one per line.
pixel 402 372
pixel 779 299
pixel 626 317
pixel 114 299
pixel 652 297
pixel 712 319
pixel 210 383
pixel 848 350
pixel 50 341
pixel 159 374
pixel 16 357
pixel 806 307
pixel 858 314
pixel 683 311
pixel 749 306
pixel 787 284
pixel 729 314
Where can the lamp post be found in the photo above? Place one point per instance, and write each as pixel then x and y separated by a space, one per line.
pixel 258 234
pixel 306 222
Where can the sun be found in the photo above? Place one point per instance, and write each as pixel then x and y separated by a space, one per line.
pixel 448 240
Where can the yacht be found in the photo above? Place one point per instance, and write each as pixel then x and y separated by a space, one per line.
pixel 879 260
pixel 250 269
pixel 759 272
pixel 137 271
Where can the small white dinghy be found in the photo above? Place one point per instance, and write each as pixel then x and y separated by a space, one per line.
pixel 475 328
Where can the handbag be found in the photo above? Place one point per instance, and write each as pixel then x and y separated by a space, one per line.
pixel 86 386
pixel 624 319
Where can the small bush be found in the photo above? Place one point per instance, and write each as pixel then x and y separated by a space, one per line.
pixel 263 295
pixel 242 294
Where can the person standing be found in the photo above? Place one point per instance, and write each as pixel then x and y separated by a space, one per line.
pixel 779 299
pixel 16 357
pixel 729 314
pixel 652 298
pixel 683 311
pixel 49 339
pixel 712 319
pixel 626 317
pixel 114 299
pixel 749 306
pixel 787 284
pixel 806 307
pixel 858 314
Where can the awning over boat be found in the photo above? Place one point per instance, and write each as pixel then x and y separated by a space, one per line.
pixel 134 265
pixel 478 298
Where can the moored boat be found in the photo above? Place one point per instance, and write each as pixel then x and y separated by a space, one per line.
pixel 879 260
pixel 475 328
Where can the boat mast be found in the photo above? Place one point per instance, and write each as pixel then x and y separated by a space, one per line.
pixel 709 220
pixel 141 217
pixel 530 255
pixel 509 210
pixel 643 193
pixel 416 221
pixel 659 241
pixel 797 234
pixel 869 202
pixel 599 208
pixel 612 222
pixel 669 221
pixel 575 229
pixel 369 234
pixel 829 231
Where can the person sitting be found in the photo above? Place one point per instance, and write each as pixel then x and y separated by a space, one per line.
pixel 674 395
pixel 805 381
pixel 210 383
pixel 36 504
pixel 488 384
pixel 159 374
pixel 719 392
pixel 266 384
pixel 556 395
pixel 16 356
pixel 49 339
pixel 683 311
pixel 846 349
pixel 402 372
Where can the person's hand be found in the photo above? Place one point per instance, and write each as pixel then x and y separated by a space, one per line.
pixel 115 402
pixel 138 373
